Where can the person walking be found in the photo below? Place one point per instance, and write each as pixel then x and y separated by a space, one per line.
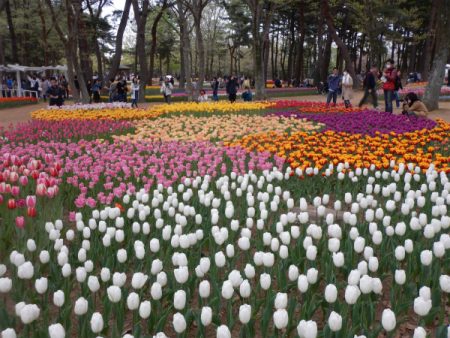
pixel 334 81
pixel 388 79
pixel 215 89
pixel 166 90
pixel 370 88
pixel 232 87
pixel 135 92
pixel 398 86
pixel 347 89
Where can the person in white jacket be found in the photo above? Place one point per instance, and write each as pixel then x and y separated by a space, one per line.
pixel 135 92
pixel 347 89
pixel 166 90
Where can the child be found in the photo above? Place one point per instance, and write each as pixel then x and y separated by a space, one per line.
pixel 203 97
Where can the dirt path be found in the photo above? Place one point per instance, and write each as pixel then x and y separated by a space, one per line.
pixel 22 114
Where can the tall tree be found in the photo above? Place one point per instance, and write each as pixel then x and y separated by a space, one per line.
pixel 261 17
pixel 338 40
pixel 433 89
pixel 165 4
pixel 12 32
pixel 115 63
pixel 141 12
pixel 72 10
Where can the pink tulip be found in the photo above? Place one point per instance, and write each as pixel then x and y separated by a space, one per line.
pixel 2 187
pixel 15 190
pixel 41 189
pixel 20 222
pixel 23 180
pixel 30 201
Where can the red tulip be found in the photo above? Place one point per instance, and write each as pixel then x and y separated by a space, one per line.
pixel 30 201
pixel 35 174
pixel 23 180
pixel 53 172
pixel 41 189
pixel 20 222
pixel 12 203
pixel 31 212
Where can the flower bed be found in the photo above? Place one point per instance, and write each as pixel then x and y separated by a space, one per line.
pixel 223 220
pixel 214 128
pixel 11 102
pixel 365 122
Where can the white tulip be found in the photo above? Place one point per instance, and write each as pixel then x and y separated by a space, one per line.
pixel 105 274
pixel 307 329
pixel 5 285
pixel 29 313
pixel 444 283
pixel 206 315
pixel 96 322
pixel 44 257
pixel 156 291
pixel 25 271
pixel 41 285
pixel 335 321
pixel 58 298
pixel 179 323
pixel 227 289
pixel 119 279
pixel 338 259
pixel 331 293
pixel 114 293
pixel 302 283
pixel 366 284
pixel 181 274
pixel 400 277
pixel 179 299
pixel 138 280
pixel 280 318
pixel 281 300
pixel 219 259
pixel 353 277
pixel 245 313
pixel 145 309
pixel 8 333
pixel 249 271
pixel 352 294
pixel 56 331
pixel 293 273
pixel 422 306
pixel 80 274
pixel 81 306
pixel 419 332
pixel 223 332
pixel 133 301
pixel 388 320
pixel 265 281
pixel 426 256
pixel 245 289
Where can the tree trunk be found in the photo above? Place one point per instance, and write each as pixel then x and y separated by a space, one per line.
pixel 431 37
pixel 185 49
pixel 326 57
pixel 153 43
pixel 361 52
pixel 115 63
pixel 12 32
pixel 301 40
pixel 342 47
pixel 141 16
pixel 84 50
pixel 433 89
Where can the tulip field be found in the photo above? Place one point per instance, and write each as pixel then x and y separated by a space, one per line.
pixel 260 219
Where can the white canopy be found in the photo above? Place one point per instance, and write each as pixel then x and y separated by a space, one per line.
pixel 15 68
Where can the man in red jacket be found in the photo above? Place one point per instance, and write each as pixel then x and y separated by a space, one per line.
pixel 389 77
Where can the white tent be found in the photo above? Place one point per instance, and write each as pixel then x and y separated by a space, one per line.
pixel 18 69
